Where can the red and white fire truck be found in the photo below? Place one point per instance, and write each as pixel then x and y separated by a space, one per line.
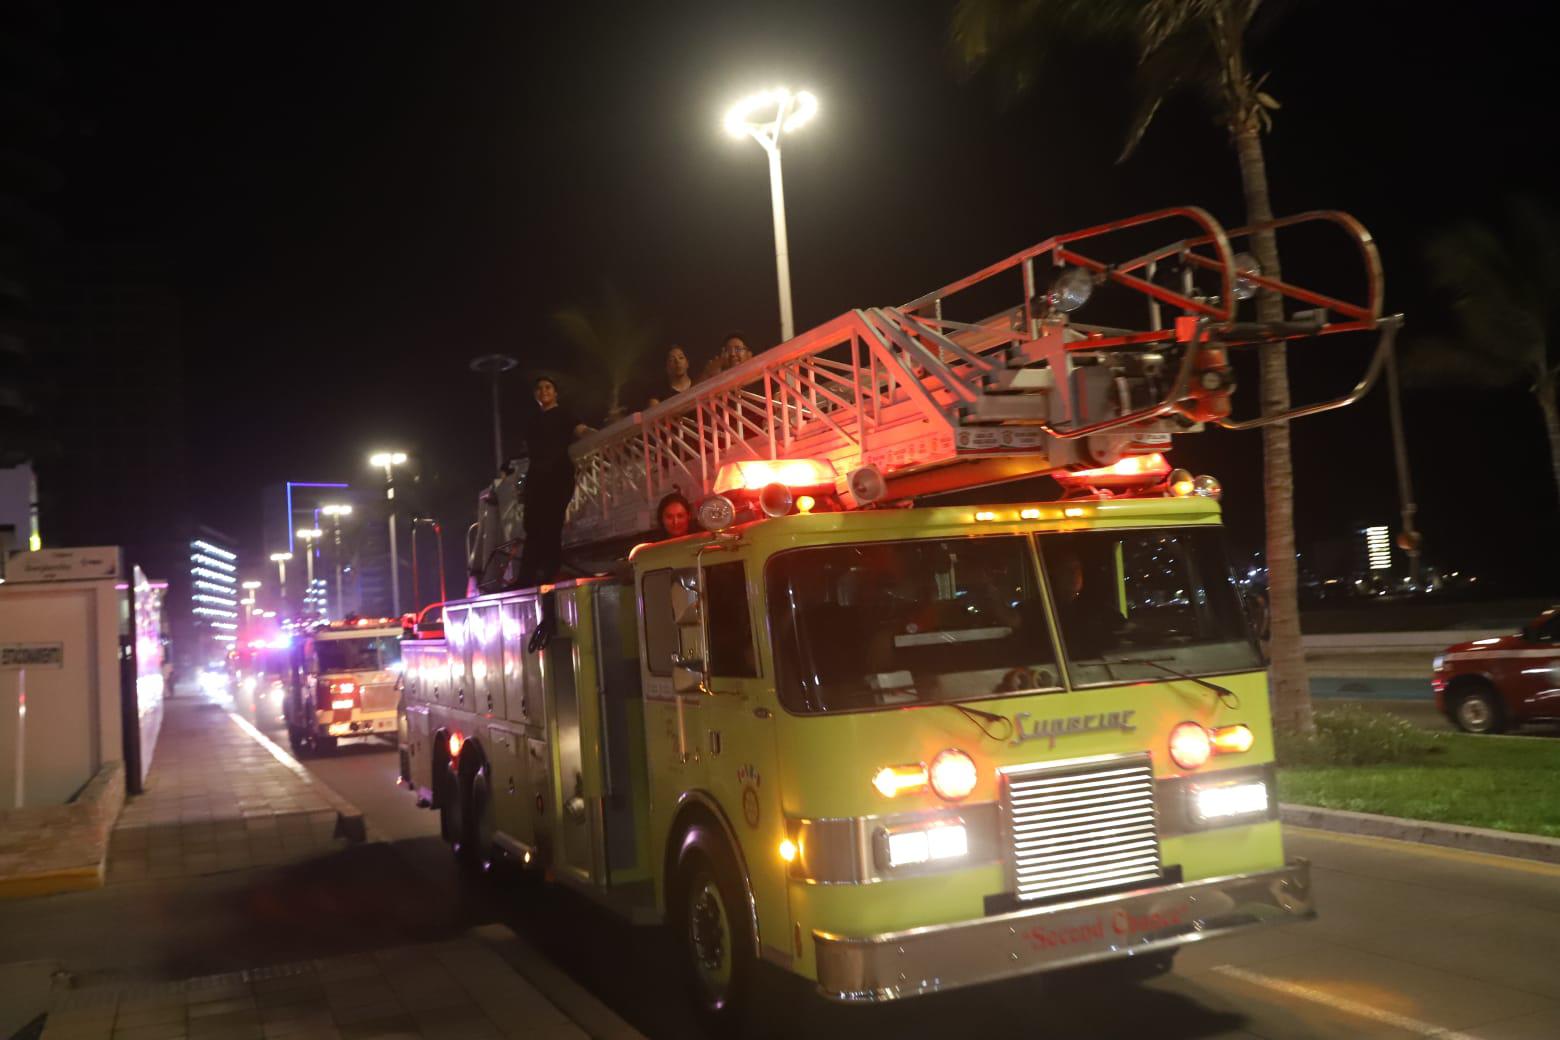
pixel 890 745
pixel 345 683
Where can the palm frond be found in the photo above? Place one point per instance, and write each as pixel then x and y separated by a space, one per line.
pixel 1503 283
pixel 1185 59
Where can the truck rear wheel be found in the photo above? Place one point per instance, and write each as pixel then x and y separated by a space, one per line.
pixel 714 931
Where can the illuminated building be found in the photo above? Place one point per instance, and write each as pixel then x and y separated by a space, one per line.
pixel 1378 548
pixel 214 595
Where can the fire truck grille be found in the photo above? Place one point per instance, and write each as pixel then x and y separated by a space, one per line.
pixel 379 697
pixel 1081 826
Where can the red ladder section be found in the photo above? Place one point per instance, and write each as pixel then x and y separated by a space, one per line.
pixel 938 403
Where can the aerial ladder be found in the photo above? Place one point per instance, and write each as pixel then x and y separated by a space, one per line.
pixel 994 377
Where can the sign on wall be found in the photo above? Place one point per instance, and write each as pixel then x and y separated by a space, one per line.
pixel 88 563
pixel 15 656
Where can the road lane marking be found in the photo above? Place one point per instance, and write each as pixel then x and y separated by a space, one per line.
pixel 270 745
pixel 1344 1004
pixel 1483 859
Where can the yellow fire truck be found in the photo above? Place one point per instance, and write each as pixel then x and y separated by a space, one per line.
pixel 345 683
pixel 891 745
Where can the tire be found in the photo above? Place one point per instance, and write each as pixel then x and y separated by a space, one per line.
pixel 474 844
pixel 1478 709
pixel 713 931
pixel 451 804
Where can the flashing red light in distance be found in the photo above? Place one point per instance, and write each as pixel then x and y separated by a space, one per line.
pixel 456 740
pixel 1190 745
pixel 755 474
pixel 953 774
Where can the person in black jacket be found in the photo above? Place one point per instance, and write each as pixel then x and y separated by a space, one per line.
pixel 549 484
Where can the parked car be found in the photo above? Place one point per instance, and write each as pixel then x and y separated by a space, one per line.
pixel 1489 685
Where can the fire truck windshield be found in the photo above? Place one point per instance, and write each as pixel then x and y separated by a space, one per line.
pixel 1126 600
pixel 892 623
pixel 358 655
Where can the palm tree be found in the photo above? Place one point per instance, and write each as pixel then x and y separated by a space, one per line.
pixel 613 340
pixel 1198 45
pixel 1504 284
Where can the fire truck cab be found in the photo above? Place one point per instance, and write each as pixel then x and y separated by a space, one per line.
pixel 346 677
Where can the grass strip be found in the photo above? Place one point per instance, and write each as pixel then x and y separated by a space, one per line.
pixel 1507 784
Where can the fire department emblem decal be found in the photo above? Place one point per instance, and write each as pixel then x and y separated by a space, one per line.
pixel 750 780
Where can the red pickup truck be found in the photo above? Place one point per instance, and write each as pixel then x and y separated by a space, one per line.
pixel 1489 685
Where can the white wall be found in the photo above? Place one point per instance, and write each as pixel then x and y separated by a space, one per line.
pixel 72 723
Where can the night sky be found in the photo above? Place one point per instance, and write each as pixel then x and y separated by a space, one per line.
pixel 359 197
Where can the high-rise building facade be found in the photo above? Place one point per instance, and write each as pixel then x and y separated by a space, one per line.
pixel 213 598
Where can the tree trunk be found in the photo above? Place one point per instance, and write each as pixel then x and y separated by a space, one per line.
pixel 1544 390
pixel 1287 676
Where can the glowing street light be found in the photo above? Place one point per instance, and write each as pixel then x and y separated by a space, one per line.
pixel 280 559
pixel 388 460
pixel 764 117
pixel 336 511
pixel 252 586
pixel 309 535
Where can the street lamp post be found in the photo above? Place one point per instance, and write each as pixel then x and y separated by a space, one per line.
pixel 783 112
pixel 388 460
pixel 253 588
pixel 336 512
pixel 493 366
pixel 309 535
pixel 280 559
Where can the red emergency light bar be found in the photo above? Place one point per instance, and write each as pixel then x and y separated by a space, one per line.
pixel 757 474
pixel 1130 471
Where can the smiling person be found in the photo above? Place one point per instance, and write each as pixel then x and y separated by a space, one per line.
pixel 733 351
pixel 674 515
pixel 549 483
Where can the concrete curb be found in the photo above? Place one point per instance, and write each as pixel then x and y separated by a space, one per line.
pixel 349 818
pixel 1448 835
pixel 576 1002
pixel 61 848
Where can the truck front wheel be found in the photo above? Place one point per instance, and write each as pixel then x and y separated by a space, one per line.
pixel 709 915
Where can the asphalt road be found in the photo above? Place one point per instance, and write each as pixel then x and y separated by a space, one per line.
pixel 1412 941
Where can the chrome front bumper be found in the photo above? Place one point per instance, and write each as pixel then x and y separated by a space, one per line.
pixel 940 957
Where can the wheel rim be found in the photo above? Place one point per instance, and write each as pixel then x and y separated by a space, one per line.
pixel 1475 714
pixel 709 938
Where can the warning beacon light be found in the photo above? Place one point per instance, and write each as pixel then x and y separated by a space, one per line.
pixel 757 474
pixel 1130 471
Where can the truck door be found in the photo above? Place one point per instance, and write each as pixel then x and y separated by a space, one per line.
pixel 735 733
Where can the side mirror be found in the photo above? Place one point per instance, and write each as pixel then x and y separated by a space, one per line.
pixel 688 665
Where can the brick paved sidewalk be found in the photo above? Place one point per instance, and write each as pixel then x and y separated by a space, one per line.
pixel 460 990
pixel 218 799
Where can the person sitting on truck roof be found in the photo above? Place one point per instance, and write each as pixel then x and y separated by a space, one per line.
pixel 674 516
pixel 733 351
pixel 549 484
pixel 677 379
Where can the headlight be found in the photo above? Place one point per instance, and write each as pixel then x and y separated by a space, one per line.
pixel 938 841
pixel 1438 662
pixel 1215 803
